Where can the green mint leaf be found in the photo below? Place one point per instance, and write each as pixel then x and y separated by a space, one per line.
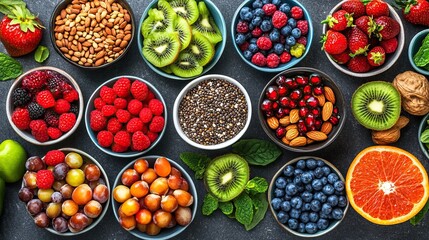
pixel 244 208
pixel 210 204
pixel 419 216
pixel 424 138
pixel 256 185
pixel 421 58
pixel 226 207
pixel 199 174
pixel 195 161
pixel 41 54
pixel 260 204
pixel 256 151
pixel 9 67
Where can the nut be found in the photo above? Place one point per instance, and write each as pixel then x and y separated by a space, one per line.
pixel 326 128
pixel 273 123
pixel 414 90
pixel 390 135
pixel 321 99
pixel 317 135
pixel 310 141
pixel 294 116
pixel 298 142
pixel 284 121
pixel 329 94
pixel 327 110
pixel 292 133
pixel 285 140
pixel 291 126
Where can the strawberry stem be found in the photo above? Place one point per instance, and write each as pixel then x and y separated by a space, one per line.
pixel 19 13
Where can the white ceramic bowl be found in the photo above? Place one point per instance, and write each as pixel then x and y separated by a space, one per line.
pixel 191 85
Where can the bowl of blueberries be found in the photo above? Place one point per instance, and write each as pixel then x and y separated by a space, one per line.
pixel 272 35
pixel 307 196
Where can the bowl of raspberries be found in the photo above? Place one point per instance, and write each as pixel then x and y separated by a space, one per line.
pixel 363 40
pixel 44 105
pixel 273 35
pixel 126 116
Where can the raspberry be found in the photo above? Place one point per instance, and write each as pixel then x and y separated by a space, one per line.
pixel 122 87
pixel 152 136
pixel 122 138
pixel 71 95
pixel 44 179
pixel 157 124
pixel 123 115
pixel 150 96
pixel 54 157
pixel 145 128
pixel 256 32
pixel 107 94
pixel 36 111
pixel 45 99
pixel 113 125
pixel 302 40
pixel 259 59
pixel 134 125
pixel 105 138
pixel 242 27
pixel 139 90
pixel 134 107
pixel 62 106
pixel 21 118
pixel 273 60
pixel 108 110
pixel 244 46
pixel 97 121
pixel 51 118
pixel 118 148
pixel 39 130
pixel 285 57
pixel 303 26
pixel 120 103
pixel 156 107
pixel 145 115
pixel 279 19
pixel 296 12
pixel 35 80
pixel 66 121
pixel 54 133
pixel 269 9
pixel 99 103
pixel 264 43
pixel 20 97
pixel 140 141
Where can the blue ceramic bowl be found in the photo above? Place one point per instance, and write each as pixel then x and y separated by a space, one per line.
pixel 282 66
pixel 423 126
pixel 167 232
pixel 220 22
pixel 91 107
pixel 414 47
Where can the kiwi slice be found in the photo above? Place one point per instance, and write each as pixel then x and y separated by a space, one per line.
pixel 187 9
pixel 226 176
pixel 376 105
pixel 159 19
pixel 167 69
pixel 161 49
pixel 184 29
pixel 186 66
pixel 201 48
pixel 206 25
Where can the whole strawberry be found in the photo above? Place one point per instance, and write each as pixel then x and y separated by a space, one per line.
pixel 376 56
pixel 20 31
pixel 334 42
pixel 366 24
pixel 355 7
pixel 339 20
pixel 376 8
pixel 358 41
pixel 359 64
pixel 387 28
pixel 415 11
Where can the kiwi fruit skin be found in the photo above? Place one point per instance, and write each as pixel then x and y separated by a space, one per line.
pixel 232 167
pixel 185 33
pixel 376 105
pixel 186 66
pixel 201 48
pixel 206 25
pixel 188 9
pixel 161 49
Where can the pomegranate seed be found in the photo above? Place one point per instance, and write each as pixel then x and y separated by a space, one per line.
pixel 303 111
pixel 292 104
pixel 312 102
pixel 316 112
pixel 301 80
pixel 289 82
pixel 306 97
pixel 286 111
pixel 302 103
pixel 267 105
pixel 269 114
pixel 334 120
pixel 272 93
pixel 306 90
pixel 275 106
pixel 282 91
pixel 284 101
pixel 312 128
pixel 296 94
pixel 335 110
pixel 318 124
pixel 280 113
pixel 315 79
pixel 318 90
pixel 301 126
pixel 280 132
pixel 309 120
pixel 281 80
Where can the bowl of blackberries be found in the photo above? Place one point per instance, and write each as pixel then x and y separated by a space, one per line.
pixel 272 36
pixel 307 196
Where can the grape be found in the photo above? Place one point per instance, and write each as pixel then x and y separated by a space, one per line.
pixel 34 206
pixel 57 197
pixel 41 220
pixel 60 171
pixel 34 164
pixel 60 224
pixel 25 194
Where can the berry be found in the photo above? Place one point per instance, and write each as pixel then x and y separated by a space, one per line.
pixel 285 31
pixel 389 45
pixel 145 115
pixel 240 39
pixel 296 33
pixel 113 125
pixel 274 35
pixel 264 43
pixel 256 21
pixel 256 32
pixel 341 58
pixel 387 28
pixel 45 99
pixel 150 96
pixel 140 141
pixel 359 64
pixel 244 46
pixel 358 41
pixel 122 87
pixel 105 138
pixel 355 7
pixel 62 106
pixel 54 157
pixel 108 110
pixel 377 8
pixel 139 90
pixel 278 48
pixel 118 148
pixel 242 27
pixel 266 26
pixel 285 8
pixel 35 80
pixel 279 19
pixel 157 124
pixel 44 179
pixel 296 12
pixel 156 107
pixel 269 9
pixel 152 136
pixel 66 121
pixel 134 125
pixel 99 103
pixel 39 130
pixel 291 22
pixel 339 20
pixel 134 106
pixel 122 138
pixel 247 55
pixel 107 94
pixel 334 42
pixel 51 118
pixel 97 121
pixel 259 59
pixel 290 40
pixel 71 95
pixel 123 115
pixel 273 60
pixel 285 57
pixel 120 103
pixel 302 40
pixel 38 125
pixel 20 97
pixel 303 26
pixel 376 56
pixel 54 133
pixel 21 118
pixel 35 110
pixel 257 4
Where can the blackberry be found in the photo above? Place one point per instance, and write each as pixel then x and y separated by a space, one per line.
pixel 74 109
pixel 57 83
pixel 51 118
pixel 36 111
pixel 20 97
pixel 35 80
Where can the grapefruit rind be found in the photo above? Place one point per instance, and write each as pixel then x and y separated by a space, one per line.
pixel 417 206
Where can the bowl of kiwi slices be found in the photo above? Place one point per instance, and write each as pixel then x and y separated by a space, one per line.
pixel 181 39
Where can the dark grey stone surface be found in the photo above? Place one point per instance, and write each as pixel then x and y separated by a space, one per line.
pixel 15 223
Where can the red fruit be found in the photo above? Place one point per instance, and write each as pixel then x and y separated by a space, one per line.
pixel 285 57
pixel 341 58
pixel 97 121
pixel 376 56
pixel 44 179
pixel 122 87
pixel 387 28
pixel 264 43
pixel 118 148
pixel 303 26
pixel 355 7
pixel 296 12
pixel 54 157
pixel 35 80
pixel 302 40
pixel 99 103
pixel 54 133
pixel 259 59
pixel 61 106
pixel 113 125
pixel 135 106
pixel 366 24
pixel 415 11
pixel 66 122
pixel 156 107
pixel 359 64
pixel 134 125
pixel 389 45
pixel 21 118
pixel 120 103
pixel 51 118
pixel 269 9
pixel 242 27
pixel 273 60
pixel 122 138
pixel 150 95
pixel 45 99
pixel 139 90
pixel 145 115
pixel 157 124
pixel 140 141
pixel 243 47
pixel 358 41
pixel 377 8
pixel 70 95
pixel 339 20
pixel 256 32
pixel 152 136
pixel 105 138
pixel 108 110
pixel 334 42
pixel 39 130
pixel 123 116
pixel 107 94
pixel 279 19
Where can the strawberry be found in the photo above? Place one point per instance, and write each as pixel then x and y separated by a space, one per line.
pixel 366 24
pixel 339 20
pixel 358 42
pixel 389 45
pixel 415 11
pixel 355 7
pixel 359 64
pixel 334 42
pixel 341 58
pixel 376 56
pixel 376 8
pixel 20 31
pixel 387 28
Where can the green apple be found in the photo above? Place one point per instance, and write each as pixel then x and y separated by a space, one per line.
pixel 2 190
pixel 12 161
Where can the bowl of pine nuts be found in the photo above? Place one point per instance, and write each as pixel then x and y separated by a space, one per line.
pixel 92 33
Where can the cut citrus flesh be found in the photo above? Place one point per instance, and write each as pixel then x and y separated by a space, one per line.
pixel 387 185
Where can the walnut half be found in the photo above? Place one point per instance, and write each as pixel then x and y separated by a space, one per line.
pixel 414 90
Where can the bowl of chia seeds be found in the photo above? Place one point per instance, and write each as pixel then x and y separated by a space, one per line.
pixel 212 112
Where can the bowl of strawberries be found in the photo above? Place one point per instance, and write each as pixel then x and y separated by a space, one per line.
pixel 363 40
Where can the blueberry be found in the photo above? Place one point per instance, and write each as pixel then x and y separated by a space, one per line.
pixel 308 187
pixel 304 217
pixel 276 2
pixel 298 172
pixel 253 40
pixel 290 40
pixel 292 223
pixel 300 188
pixel 282 217
pixel 328 189
pixel 291 189
pixel 315 205
pixel 333 200
pixel 266 26
pixel 320 163
pixel 278 192
pixel 251 26
pixel 297 180
pixel 285 206
pixel 332 178
pixel 320 196
pixel 324 180
pixel 339 185
pixel 296 202
pixel 311 163
pixel 286 30
pixel 253 48
pixel 275 35
pixel 317 184
pixel 313 217
pixel 285 8
pixel 256 21
pixel 318 172
pixel 281 182
pixel 291 22
pixel 244 11
pixel 311 228
pixel 326 170
pixel 325 216
pixel 306 207
pixel 275 203
pixel 294 213
pixel 301 228
pixel 287 197
pixel 307 196
pixel 296 33
pixel 306 177
pixel 342 201
pixel 258 12
pixel 240 39
pixel 287 48
pixel 278 48
pixel 248 55
pixel 288 171
pixel 322 224
pixel 337 214
pixel 247 16
pixel 301 164
pixel 257 4
pixel 326 208
pixel 266 1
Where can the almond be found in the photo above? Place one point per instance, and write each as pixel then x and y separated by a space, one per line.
pixel 284 121
pixel 321 99
pixel 294 116
pixel 298 142
pixel 327 111
pixel 292 133
pixel 317 135
pixel 273 122
pixel 310 141
pixel 291 126
pixel 326 128
pixel 329 94
pixel 285 140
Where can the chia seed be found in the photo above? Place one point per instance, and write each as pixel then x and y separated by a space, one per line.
pixel 213 112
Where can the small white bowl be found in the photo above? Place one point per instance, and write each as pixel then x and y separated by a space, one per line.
pixel 191 85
